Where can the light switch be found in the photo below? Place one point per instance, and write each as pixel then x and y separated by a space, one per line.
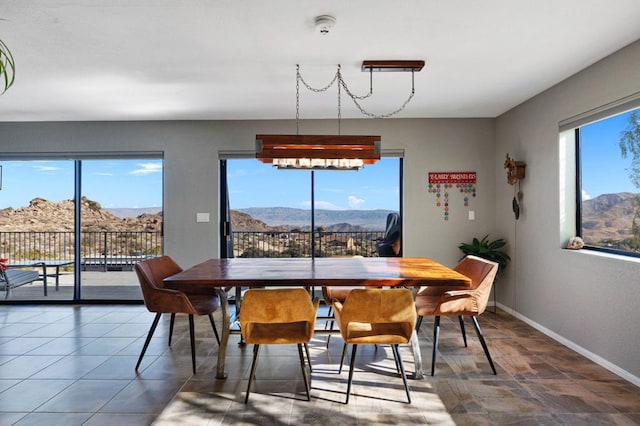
pixel 472 215
pixel 202 217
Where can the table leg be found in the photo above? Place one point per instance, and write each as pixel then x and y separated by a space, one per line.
pixel 44 277
pixel 57 277
pixel 237 316
pixel 417 356
pixel 224 340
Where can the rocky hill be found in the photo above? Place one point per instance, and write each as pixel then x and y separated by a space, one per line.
pixel 243 222
pixel 44 215
pixel 608 217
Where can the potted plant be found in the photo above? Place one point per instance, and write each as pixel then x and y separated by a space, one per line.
pixel 7 68
pixel 486 249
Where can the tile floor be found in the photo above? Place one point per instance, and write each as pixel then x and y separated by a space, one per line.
pixel 73 365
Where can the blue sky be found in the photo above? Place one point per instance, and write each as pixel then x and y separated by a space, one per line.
pixel 253 184
pixel 604 171
pixel 121 183
pixel 138 183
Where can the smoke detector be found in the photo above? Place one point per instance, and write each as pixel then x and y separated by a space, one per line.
pixel 324 23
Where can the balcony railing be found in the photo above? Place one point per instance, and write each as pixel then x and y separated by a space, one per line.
pixel 298 244
pixel 99 250
pixel 111 250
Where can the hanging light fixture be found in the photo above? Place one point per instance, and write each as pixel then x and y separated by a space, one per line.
pixel 318 152
pixel 7 68
pixel 332 152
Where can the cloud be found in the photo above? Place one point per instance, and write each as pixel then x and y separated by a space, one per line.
pixel 103 174
pixel 327 205
pixel 585 196
pixel 46 168
pixel 355 202
pixel 147 168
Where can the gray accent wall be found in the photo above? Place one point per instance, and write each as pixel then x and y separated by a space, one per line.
pixel 587 300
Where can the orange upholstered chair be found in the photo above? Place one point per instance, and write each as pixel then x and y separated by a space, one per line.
pixel 278 316
pixel 151 274
pixel 438 301
pixel 376 316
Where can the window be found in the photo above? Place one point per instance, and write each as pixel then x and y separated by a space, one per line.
pixel 608 182
pixel 273 212
pixel 120 199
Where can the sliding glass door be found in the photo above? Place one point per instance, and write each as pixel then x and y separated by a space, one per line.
pixel 37 228
pixel 85 251
pixel 299 213
pixel 121 224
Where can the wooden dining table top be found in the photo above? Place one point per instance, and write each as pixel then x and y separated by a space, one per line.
pixel 325 271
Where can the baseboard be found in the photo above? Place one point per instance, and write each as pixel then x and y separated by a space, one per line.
pixel 571 345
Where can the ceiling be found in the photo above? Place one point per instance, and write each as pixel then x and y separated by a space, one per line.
pixel 81 60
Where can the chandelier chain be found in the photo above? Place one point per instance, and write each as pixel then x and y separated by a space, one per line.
pixel 297 99
pixel 337 79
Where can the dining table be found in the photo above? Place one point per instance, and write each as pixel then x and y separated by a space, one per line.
pixel 222 275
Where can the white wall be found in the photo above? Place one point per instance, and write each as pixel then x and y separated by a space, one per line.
pixel 191 170
pixel 587 300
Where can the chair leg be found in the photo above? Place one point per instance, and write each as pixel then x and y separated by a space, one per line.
pixel 193 344
pixel 396 352
pixel 419 322
pixel 304 373
pixel 215 329
pixel 306 349
pixel 351 364
pixel 484 344
pixel 395 359
pixel 254 363
pixel 436 336
pixel 329 313
pixel 464 334
pixel 344 352
pixel 149 336
pixel 173 319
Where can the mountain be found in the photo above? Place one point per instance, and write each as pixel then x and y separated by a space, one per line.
pixel 608 217
pixel 133 212
pixel 373 220
pixel 44 215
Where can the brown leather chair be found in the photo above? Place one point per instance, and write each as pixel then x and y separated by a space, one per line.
pixel 376 316
pixel 278 316
pixel 438 301
pixel 151 274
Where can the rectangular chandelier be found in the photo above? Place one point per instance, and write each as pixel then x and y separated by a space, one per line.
pixel 318 152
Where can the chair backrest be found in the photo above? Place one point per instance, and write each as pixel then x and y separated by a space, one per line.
pixel 151 273
pixel 282 305
pixel 482 273
pixel 377 305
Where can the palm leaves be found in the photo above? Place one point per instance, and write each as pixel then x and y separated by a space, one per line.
pixel 7 68
pixel 487 250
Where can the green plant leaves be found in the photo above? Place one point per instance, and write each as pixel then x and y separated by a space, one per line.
pixel 7 68
pixel 487 249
